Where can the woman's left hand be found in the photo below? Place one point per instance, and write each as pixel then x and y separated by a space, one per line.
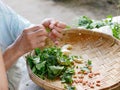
pixel 55 28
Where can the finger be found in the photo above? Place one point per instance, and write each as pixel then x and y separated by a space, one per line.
pixel 46 22
pixel 56 42
pixel 38 33
pixel 58 29
pixel 55 33
pixel 54 39
pixel 34 28
pixel 41 32
pixel 52 36
pixel 52 24
pixel 61 25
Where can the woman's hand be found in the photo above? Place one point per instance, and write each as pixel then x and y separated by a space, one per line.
pixel 30 39
pixel 55 27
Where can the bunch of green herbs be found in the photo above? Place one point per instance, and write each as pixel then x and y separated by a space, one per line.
pixel 50 63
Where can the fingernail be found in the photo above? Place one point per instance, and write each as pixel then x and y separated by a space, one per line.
pixel 51 26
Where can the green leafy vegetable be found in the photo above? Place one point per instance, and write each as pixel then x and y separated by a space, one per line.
pixel 48 30
pixel 64 60
pixel 97 24
pixel 67 76
pixel 89 62
pixel 55 71
pixel 68 87
pixel 116 30
pixel 37 51
pixel 88 23
pixel 68 27
pixel 50 63
pixel 34 69
pixel 41 65
pixel 30 61
pixel 36 60
pixel 85 22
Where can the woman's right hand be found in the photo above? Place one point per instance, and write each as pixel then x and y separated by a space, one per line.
pixel 30 39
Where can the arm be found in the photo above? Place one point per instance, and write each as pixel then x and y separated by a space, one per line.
pixel 10 56
pixel 30 39
pixel 3 77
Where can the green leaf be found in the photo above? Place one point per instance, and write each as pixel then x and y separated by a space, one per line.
pixel 116 30
pixel 52 60
pixel 89 62
pixel 56 70
pixel 30 61
pixel 109 16
pixel 68 27
pixel 41 65
pixel 97 24
pixel 67 76
pixel 34 69
pixel 69 87
pixel 67 79
pixel 70 71
pixel 37 51
pixel 84 20
pixel 84 69
pixel 36 60
pixel 64 60
pixel 48 30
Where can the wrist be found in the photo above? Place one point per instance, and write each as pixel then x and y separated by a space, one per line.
pixel 15 50
pixel 11 55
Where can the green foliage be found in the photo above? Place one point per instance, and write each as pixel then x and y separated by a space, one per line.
pixel 67 27
pixel 89 62
pixel 116 30
pixel 88 23
pixel 68 87
pixel 85 22
pixel 67 76
pixel 49 63
pixel 37 51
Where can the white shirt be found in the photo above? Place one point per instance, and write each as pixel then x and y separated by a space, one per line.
pixel 11 26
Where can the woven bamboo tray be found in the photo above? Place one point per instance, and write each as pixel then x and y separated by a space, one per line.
pixel 102 49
